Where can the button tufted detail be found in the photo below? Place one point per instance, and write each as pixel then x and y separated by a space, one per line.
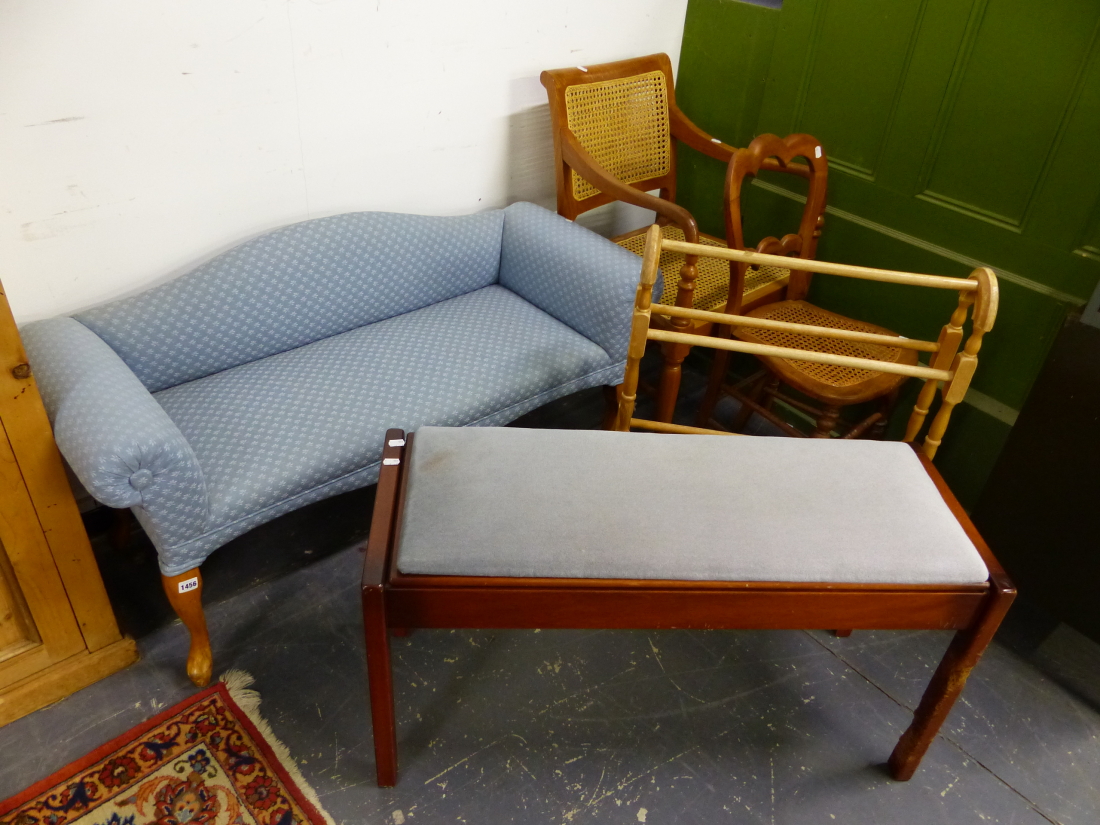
pixel 141 479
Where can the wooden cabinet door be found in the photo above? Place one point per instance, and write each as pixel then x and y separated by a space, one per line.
pixel 17 630
pixel 37 624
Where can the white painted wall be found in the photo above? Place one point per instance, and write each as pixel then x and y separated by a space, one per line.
pixel 139 138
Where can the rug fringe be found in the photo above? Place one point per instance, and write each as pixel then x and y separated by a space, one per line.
pixel 237 682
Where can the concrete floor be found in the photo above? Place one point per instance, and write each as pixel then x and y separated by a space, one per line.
pixel 594 726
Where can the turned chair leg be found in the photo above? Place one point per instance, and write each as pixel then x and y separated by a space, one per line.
pixel 669 388
pixel 185 595
pixel 768 390
pixel 718 369
pixel 764 382
pixel 886 407
pixel 380 683
pixel 947 683
pixel 826 422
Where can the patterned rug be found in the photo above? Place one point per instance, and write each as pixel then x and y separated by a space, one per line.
pixel 210 760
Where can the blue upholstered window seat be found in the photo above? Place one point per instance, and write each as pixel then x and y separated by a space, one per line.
pixel 266 378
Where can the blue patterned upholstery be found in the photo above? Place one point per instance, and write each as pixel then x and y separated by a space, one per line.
pixel 553 266
pixel 294 286
pixel 210 415
pixel 116 437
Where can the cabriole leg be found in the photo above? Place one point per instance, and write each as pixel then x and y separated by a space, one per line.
pixel 185 595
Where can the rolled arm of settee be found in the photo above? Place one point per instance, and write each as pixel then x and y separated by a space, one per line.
pixel 571 273
pixel 116 437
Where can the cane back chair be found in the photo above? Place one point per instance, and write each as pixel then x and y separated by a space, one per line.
pixel 511 528
pixel 616 128
pixel 831 386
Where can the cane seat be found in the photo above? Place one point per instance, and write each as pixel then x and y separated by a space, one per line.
pixel 831 387
pixel 853 384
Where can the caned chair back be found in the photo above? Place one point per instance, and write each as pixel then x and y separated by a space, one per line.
pixel 948 364
pixel 618 113
pixel 777 153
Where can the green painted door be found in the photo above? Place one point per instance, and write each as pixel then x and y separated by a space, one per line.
pixel 959 132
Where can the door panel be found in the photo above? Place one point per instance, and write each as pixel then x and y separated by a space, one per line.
pixel 848 94
pixel 42 627
pixel 1014 85
pixel 17 631
pixel 960 133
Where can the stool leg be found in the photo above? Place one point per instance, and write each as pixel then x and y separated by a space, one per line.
pixel 380 681
pixel 946 685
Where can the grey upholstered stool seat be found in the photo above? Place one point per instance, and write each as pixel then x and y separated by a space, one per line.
pixel 595 504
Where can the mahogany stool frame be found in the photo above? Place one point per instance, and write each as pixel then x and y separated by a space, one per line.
pixel 394 601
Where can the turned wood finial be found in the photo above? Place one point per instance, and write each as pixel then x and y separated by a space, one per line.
pixel 985 300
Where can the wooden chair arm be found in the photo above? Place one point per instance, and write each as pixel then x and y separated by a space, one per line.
pixel 691 135
pixel 577 158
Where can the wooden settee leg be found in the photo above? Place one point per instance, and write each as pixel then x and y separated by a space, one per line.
pixel 947 683
pixel 380 682
pixel 185 595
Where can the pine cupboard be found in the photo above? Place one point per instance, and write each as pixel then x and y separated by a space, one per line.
pixel 57 631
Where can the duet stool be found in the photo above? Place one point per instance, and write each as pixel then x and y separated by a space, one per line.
pixel 514 528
